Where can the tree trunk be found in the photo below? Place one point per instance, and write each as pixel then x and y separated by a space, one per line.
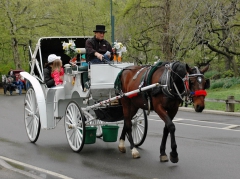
pixel 16 53
pixel 167 50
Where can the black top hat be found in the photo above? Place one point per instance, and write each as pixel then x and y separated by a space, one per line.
pixel 100 28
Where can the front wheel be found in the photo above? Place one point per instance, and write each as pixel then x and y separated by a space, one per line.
pixel 74 123
pixel 31 116
pixel 139 127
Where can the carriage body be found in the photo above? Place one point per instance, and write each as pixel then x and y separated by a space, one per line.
pixel 45 107
pixel 52 101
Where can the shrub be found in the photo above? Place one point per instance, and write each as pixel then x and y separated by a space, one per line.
pixel 216 84
pixel 228 73
pixel 211 74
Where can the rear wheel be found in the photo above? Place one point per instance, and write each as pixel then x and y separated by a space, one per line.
pixel 139 127
pixel 74 123
pixel 31 116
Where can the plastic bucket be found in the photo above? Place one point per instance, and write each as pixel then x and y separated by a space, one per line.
pixel 110 133
pixel 90 136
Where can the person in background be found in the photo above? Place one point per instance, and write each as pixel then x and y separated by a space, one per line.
pixel 48 70
pixel 97 48
pixel 19 85
pixel 10 72
pixel 57 72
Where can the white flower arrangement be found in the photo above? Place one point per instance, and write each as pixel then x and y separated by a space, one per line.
pixel 70 48
pixel 119 48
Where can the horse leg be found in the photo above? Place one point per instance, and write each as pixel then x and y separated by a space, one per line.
pixel 121 146
pixel 163 155
pixel 127 129
pixel 173 153
pixel 135 153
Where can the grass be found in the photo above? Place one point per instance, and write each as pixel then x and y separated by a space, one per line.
pixel 222 93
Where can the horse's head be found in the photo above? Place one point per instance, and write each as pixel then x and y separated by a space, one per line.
pixel 197 86
pixel 3 78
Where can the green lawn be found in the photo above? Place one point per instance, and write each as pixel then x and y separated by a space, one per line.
pixel 222 93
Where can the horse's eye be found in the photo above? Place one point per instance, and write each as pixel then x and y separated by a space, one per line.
pixel 199 79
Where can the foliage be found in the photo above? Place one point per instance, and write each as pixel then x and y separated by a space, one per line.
pixel 228 73
pixel 224 83
pixel 211 74
pixel 168 30
pixel 222 93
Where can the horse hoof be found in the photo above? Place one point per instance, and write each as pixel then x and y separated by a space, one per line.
pixel 122 149
pixel 121 146
pixel 163 158
pixel 174 159
pixel 135 153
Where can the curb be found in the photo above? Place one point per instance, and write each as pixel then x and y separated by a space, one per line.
pixel 207 111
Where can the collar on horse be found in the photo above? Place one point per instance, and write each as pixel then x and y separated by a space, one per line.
pixel 168 84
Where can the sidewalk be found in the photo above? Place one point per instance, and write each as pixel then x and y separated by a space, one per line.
pixel 14 92
pixel 207 111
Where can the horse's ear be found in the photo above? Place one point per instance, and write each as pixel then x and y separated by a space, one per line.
pixel 205 69
pixel 189 70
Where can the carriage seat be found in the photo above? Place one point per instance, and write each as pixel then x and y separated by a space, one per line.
pixel 80 68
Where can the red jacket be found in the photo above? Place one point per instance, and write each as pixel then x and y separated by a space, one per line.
pixel 56 76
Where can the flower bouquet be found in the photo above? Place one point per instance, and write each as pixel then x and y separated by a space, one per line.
pixel 70 50
pixel 119 49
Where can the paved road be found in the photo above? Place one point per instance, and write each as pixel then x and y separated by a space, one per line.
pixel 208 147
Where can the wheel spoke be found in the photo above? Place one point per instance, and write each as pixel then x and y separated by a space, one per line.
pixel 74 126
pixel 32 119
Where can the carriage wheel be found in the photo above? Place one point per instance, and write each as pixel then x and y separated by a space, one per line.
pixel 139 127
pixel 75 126
pixel 31 116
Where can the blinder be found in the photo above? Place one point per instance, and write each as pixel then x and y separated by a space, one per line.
pixel 207 84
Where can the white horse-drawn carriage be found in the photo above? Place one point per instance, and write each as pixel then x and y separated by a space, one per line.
pixel 82 111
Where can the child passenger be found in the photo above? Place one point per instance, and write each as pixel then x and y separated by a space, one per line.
pixel 57 72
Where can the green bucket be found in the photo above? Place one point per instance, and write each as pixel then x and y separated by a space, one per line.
pixel 110 133
pixel 90 136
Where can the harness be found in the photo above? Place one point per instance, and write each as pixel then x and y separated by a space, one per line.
pixel 166 81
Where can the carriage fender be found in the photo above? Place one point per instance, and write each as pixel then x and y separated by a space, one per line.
pixel 39 96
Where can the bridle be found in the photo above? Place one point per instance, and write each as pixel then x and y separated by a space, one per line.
pixel 190 94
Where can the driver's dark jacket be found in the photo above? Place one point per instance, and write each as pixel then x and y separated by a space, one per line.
pixel 47 77
pixel 93 45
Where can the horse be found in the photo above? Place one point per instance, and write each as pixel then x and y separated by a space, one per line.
pixel 8 84
pixel 176 80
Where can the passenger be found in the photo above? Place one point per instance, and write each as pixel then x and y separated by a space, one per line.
pixel 85 74
pixel 48 70
pixel 57 72
pixel 97 47
pixel 19 85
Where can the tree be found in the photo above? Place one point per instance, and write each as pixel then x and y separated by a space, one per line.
pixel 218 29
pixel 20 19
